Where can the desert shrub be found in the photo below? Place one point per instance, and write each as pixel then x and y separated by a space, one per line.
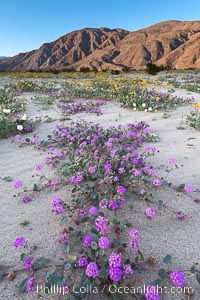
pixel 153 69
pixel 84 69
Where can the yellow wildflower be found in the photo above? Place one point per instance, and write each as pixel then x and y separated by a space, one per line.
pixel 197 106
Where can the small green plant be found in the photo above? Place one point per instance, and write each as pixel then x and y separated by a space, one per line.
pixel 193 119
pixel 24 223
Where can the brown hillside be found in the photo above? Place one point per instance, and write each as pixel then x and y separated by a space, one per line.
pixel 173 43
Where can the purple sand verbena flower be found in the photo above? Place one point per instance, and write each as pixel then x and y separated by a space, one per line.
pixel 128 269
pixel 26 199
pixel 64 237
pixel 121 170
pixel 27 263
pixel 103 203
pixel 93 211
pixel 113 205
pixel 30 284
pixel 121 189
pixel 134 244
pixel 92 170
pixel 17 184
pixel 115 273
pixel 82 262
pixel 134 233
pixel 19 241
pixel 54 182
pixel 150 212
pixel 92 270
pixel 103 242
pixel 157 182
pixel 152 293
pixel 115 260
pixel 56 201
pixel 171 160
pixel 108 165
pixel 101 225
pixel 82 213
pixel 59 209
pixel 38 167
pixel 177 278
pixel 122 200
pixel 189 189
pixel 87 241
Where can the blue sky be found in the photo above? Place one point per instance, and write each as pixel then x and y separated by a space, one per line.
pixel 27 24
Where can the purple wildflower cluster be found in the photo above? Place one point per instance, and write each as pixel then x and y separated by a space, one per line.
pixel 134 243
pixel 78 107
pixel 87 241
pixel 27 263
pixel 177 278
pixel 115 266
pixel 92 270
pixel 93 211
pixel 56 203
pixel 64 237
pixel 101 225
pixel 30 284
pixel 150 212
pixel 17 184
pixel 128 269
pixel 103 242
pixel 19 241
pixel 77 179
pixel 152 293
pixel 82 262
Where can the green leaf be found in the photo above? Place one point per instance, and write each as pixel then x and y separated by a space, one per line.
pixel 95 237
pixel 93 230
pixel 141 255
pixel 198 278
pixel 167 259
pixel 157 282
pixel 66 172
pixel 162 273
pixel 71 228
pixel 67 265
pixel 55 279
pixel 165 183
pixel 22 286
pixel 180 188
pixel 50 272
pixel 85 219
pixel 41 262
pixel 8 178
pixel 66 248
pixel 138 272
pixel 193 269
pixel 72 297
pixel 116 242
pixel 24 256
pixel 115 221
pixel 94 245
pixel 160 205
pixel 114 297
pixel 122 226
pixel 103 273
pixel 27 140
pixel 63 220
pixel 35 187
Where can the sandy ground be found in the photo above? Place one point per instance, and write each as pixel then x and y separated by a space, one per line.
pixel 162 236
